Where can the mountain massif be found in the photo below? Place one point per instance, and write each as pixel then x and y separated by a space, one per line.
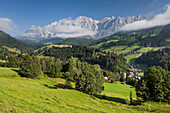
pixel 81 26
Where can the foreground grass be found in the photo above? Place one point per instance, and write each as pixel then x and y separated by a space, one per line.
pixel 8 72
pixel 47 95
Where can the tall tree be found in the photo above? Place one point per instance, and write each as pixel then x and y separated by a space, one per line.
pixel 31 67
pixel 90 80
pixel 154 85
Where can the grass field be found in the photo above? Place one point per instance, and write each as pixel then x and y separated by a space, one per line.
pixel 8 72
pixel 119 90
pixel 131 58
pixel 13 49
pixel 47 95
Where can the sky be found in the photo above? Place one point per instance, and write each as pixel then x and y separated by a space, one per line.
pixel 16 16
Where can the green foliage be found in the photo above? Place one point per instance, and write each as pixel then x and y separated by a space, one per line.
pixel 31 67
pixel 90 80
pixel 93 56
pixel 7 40
pixel 151 37
pixel 157 58
pixel 153 85
pixel 110 62
pixel 12 62
pixel 51 67
pixel 68 80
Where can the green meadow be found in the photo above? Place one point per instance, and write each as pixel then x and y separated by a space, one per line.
pixel 8 72
pixel 19 94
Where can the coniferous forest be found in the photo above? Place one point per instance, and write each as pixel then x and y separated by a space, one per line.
pixel 158 58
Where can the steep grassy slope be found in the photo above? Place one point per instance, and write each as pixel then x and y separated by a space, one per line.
pixel 47 95
pixel 7 40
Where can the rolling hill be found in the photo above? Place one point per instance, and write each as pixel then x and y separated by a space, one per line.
pixel 8 41
pixel 133 43
pixel 48 95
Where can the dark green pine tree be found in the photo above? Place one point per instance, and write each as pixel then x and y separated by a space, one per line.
pixel 31 67
pixel 68 80
pixel 13 62
pixel 154 86
pixel 58 67
pixel 36 67
pixel 26 67
pixel 142 91
pixel 43 64
pixel 166 86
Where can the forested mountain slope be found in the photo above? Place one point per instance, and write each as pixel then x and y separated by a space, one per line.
pixel 7 40
pixel 157 58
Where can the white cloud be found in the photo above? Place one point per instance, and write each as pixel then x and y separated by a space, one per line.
pixel 63 28
pixel 160 19
pixel 28 35
pixel 7 25
pixel 71 31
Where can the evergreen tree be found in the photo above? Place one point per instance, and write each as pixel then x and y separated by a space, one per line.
pixel 13 62
pixel 142 91
pixel 68 80
pixel 31 67
pixel 154 85
pixel 43 64
pixel 36 67
pixel 58 67
pixel 90 80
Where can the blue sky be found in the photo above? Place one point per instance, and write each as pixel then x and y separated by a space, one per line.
pixel 25 13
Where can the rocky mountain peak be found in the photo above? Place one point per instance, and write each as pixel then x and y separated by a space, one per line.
pixel 80 26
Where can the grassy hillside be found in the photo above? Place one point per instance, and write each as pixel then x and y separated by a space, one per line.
pixel 47 95
pixel 7 40
pixel 132 44
pixel 8 72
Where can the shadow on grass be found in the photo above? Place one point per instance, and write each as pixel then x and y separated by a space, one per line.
pixel 16 70
pixel 57 86
pixel 115 99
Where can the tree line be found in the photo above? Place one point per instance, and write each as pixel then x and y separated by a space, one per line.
pixel 87 78
pixel 154 86
pixel 107 61
pixel 158 58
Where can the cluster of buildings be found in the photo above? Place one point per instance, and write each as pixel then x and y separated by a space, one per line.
pixel 61 46
pixel 133 73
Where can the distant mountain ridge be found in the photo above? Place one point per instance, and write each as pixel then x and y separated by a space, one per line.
pixel 82 41
pixel 81 26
